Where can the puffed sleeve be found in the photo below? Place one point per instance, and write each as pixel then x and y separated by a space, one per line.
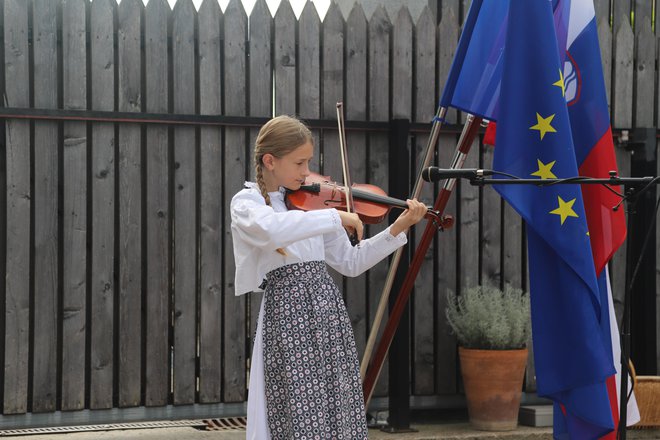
pixel 350 260
pixel 257 224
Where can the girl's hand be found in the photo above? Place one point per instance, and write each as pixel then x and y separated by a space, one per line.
pixel 413 215
pixel 352 223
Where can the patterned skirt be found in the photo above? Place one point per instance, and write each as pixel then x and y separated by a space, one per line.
pixel 311 370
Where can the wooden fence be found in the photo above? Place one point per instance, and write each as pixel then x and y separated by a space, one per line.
pixel 116 247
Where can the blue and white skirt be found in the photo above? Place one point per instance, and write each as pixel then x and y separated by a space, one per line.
pixel 311 374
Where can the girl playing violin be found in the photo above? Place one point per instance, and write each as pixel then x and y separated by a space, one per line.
pixel 304 377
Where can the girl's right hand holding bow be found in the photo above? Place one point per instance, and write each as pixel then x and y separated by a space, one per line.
pixel 352 223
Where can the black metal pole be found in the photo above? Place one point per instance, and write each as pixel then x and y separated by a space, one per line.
pixel 639 304
pixel 625 340
pixel 399 354
pixel 643 299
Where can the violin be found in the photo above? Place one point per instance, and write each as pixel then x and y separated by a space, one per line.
pixel 371 203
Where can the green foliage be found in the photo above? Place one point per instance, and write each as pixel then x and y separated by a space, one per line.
pixel 485 317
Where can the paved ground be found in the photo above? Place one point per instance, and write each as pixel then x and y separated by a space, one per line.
pixel 453 431
pixel 425 432
pixel 430 425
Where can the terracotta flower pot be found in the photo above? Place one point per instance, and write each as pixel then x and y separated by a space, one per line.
pixel 493 386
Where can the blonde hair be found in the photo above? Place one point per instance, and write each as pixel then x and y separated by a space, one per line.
pixel 279 136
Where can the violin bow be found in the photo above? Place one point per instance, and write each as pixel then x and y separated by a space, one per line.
pixel 370 373
pixel 350 206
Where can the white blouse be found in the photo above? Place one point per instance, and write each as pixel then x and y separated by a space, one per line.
pixel 258 230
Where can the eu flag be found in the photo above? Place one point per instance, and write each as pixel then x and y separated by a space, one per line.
pixel 534 140
pixel 474 81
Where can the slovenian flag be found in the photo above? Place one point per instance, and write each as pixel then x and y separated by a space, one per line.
pixel 594 151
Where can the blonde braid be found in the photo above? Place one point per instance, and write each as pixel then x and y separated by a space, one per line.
pixel 261 184
pixel 264 192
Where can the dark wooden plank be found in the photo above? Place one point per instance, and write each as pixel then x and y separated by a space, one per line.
pixel 622 95
pixel 285 60
pixel 492 238
pixel 130 168
pixel 261 63
pixel 211 319
pixel 103 205
pixel 379 33
pixel 74 326
pixel 445 253
pixel 17 276
pixel 645 48
pixel 448 32
pixel 643 15
pixel 446 366
pixel 236 162
pixel 468 225
pixel 356 110
pixel 261 98
pixel 605 40
pixel 46 239
pixel 309 42
pixel 402 61
pixel 332 82
pixel 620 13
pixel 185 195
pixel 512 243
pixel 332 60
pixel 423 313
pixel 602 8
pixel 309 73
pixel 157 351
pixel 449 6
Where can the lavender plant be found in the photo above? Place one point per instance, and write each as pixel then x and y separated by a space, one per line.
pixel 485 317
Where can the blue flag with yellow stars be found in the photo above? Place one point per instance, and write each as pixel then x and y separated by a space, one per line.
pixel 534 141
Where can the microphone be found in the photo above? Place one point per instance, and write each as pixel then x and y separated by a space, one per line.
pixel 433 174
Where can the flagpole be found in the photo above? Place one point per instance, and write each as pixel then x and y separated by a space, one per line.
pixel 396 259
pixel 470 131
pixel 445 101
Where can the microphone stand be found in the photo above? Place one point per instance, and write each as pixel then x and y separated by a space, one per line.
pixel 635 187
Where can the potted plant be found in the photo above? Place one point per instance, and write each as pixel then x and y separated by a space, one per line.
pixel 492 327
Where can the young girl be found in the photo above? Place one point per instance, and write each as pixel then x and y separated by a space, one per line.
pixel 304 377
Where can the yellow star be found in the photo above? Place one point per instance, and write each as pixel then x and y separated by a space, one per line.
pixel 543 125
pixel 564 210
pixel 545 170
pixel 560 83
